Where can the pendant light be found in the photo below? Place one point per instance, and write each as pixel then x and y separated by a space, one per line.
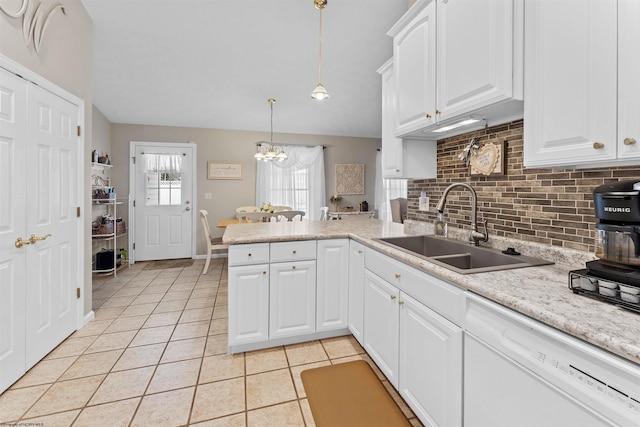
pixel 271 152
pixel 320 93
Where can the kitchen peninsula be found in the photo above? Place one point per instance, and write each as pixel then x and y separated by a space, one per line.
pixel 424 325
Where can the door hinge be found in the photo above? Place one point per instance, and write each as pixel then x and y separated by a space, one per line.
pixel 134 160
pixel 78 292
pixel 79 132
pixel 78 212
pixel 134 203
pixel 134 246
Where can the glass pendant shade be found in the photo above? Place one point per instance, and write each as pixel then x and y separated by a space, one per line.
pixel 268 151
pixel 320 93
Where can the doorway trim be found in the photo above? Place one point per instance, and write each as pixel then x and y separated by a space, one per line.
pixel 82 201
pixel 132 188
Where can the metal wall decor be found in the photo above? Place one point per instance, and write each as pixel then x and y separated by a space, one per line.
pixel 35 19
pixel 350 178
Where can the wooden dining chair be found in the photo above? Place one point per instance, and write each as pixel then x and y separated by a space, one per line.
pixel 290 215
pixel 255 216
pixel 213 243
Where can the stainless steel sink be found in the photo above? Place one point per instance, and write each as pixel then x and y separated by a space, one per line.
pixel 459 256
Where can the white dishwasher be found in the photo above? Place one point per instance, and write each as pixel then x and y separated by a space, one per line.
pixel 520 372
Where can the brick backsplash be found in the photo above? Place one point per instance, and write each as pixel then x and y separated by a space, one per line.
pixel 549 206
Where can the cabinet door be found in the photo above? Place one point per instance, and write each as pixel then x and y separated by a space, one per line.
pixel 430 367
pixel 391 146
pixel 414 65
pixel 474 55
pixel 292 299
pixel 356 290
pixel 332 300
pixel 381 323
pixel 570 82
pixel 628 82
pixel 248 304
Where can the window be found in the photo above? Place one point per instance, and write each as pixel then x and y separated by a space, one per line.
pixel 163 179
pixel 297 182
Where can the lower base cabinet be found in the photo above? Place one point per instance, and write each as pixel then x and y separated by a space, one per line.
pixel 249 303
pixel 292 299
pixel 417 349
pixel 430 373
pixel 356 290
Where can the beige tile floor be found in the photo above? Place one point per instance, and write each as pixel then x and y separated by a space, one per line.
pixel 155 354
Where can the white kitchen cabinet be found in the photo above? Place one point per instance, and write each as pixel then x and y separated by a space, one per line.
pixel 430 365
pixel 456 58
pixel 402 158
pixel 332 297
pixel 581 90
pixel 292 299
pixel 248 303
pixel 628 83
pixel 381 324
pixel 356 290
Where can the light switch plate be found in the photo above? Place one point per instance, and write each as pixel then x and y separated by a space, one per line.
pixel 207 196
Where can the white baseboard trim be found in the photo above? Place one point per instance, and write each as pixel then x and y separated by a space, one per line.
pixel 88 318
pixel 212 256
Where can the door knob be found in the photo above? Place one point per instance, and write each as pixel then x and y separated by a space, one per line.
pixel 188 208
pixel 20 243
pixel 35 238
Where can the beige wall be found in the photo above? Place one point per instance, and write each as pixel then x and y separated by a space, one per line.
pixel 65 59
pixel 239 146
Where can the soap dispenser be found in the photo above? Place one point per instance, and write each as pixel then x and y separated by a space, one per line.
pixel 423 201
pixel 440 228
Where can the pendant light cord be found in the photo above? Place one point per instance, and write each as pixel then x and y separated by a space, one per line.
pixel 320 50
pixel 271 123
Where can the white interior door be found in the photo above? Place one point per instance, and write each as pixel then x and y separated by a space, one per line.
pixel 13 154
pixel 39 180
pixel 52 199
pixel 163 201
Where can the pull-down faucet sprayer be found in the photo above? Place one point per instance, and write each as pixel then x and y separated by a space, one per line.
pixel 475 236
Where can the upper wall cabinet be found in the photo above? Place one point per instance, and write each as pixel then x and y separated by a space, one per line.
pixel 456 58
pixel 581 84
pixel 402 158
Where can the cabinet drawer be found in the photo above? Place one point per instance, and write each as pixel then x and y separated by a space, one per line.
pixel 440 296
pixel 293 251
pixel 254 253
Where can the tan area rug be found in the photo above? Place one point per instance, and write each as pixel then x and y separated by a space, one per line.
pixel 350 395
pixel 168 263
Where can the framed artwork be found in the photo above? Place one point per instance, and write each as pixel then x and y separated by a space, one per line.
pixel 224 170
pixel 350 178
pixel 488 159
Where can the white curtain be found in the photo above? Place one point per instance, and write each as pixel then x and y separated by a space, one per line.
pixel 157 162
pixel 387 189
pixel 297 182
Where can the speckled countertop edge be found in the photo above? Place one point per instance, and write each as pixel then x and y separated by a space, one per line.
pixel 541 293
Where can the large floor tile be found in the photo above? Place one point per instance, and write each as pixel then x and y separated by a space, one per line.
pixel 46 371
pixel 123 385
pixel 184 349
pixel 171 408
pixel 14 403
pixel 138 357
pixel 66 395
pixel 108 414
pixel 171 376
pixel 146 336
pixel 269 388
pixel 92 364
pixel 266 360
pixel 342 346
pixel 221 367
pixel 283 415
pixel 218 399
pixel 303 353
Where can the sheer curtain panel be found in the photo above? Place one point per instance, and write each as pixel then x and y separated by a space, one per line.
pixel 297 182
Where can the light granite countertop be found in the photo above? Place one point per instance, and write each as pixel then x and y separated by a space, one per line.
pixel 541 293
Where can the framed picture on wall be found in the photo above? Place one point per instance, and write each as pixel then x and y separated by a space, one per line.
pixel 224 170
pixel 350 178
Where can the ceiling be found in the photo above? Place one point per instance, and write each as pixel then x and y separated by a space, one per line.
pixel 214 63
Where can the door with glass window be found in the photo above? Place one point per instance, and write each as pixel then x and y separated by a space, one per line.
pixel 163 201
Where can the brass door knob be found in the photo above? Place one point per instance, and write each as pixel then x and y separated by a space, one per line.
pixel 35 238
pixel 629 141
pixel 598 145
pixel 20 243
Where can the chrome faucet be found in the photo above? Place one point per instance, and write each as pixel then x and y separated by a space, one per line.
pixel 475 236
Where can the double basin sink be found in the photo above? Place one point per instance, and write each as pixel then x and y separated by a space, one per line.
pixel 459 256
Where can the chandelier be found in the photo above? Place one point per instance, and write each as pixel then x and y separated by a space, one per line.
pixel 320 93
pixel 269 151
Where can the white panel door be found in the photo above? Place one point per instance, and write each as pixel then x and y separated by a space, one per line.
pixel 13 154
pixel 475 61
pixel 332 302
pixel 381 324
pixel 292 299
pixel 249 303
pixel 628 82
pixel 51 273
pixel 570 107
pixel 356 290
pixel 163 199
pixel 430 367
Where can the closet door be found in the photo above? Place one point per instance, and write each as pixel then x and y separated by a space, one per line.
pixel 52 199
pixel 39 176
pixel 13 154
